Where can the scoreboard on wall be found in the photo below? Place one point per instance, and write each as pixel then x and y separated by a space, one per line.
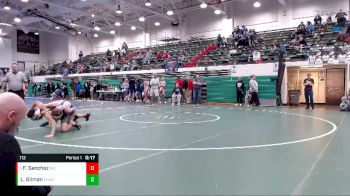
pixel 57 170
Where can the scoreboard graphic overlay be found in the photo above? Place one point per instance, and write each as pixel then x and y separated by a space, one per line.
pixel 57 170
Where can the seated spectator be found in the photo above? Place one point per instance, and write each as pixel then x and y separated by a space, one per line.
pixel 176 95
pixel 301 29
pixel 165 55
pixel 329 19
pixel 341 17
pixel 318 20
pixel 159 56
pixel 309 28
pixel 109 55
pixel 302 44
pixel 243 30
pixel 252 37
pixel 342 37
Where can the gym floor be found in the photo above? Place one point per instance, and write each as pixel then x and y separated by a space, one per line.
pixel 204 150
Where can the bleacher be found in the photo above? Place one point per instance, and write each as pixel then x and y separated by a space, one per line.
pixel 220 56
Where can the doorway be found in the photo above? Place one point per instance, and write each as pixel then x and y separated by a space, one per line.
pixel 335 85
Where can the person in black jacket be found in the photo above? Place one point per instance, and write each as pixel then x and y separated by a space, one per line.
pixel 240 90
pixel 12 112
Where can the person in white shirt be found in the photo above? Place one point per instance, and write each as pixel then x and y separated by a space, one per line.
pixel 254 90
pixel 154 83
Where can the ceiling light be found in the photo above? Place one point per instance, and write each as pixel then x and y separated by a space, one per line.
pixel 82 0
pixel 142 19
pixel 0 31
pixel 36 33
pixel 95 35
pixel 5 24
pixel 170 12
pixel 118 10
pixel 148 3
pixel 117 24
pixel 79 32
pixel 217 12
pixel 156 23
pixel 24 1
pixel 57 27
pixel 6 7
pixel 112 32
pixel 97 28
pixel 133 28
pixel 257 4
pixel 204 5
pixel 17 19
pixel 93 15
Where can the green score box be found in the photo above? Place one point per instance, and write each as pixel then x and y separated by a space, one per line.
pixel 92 180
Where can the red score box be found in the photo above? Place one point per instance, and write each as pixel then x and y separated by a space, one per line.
pixel 92 168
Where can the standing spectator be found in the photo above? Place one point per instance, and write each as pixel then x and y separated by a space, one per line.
pixel 139 90
pixel 125 48
pixel 219 41
pixel 81 56
pixel 162 90
pixel 12 112
pixel 240 91
pixel 154 92
pixel 72 87
pixel 49 88
pixel 197 90
pixel 77 89
pixel 16 81
pixel 184 89
pixel 109 55
pixel 132 89
pixel 176 95
pixel 254 90
pixel 341 17
pixel 39 89
pixel 146 91
pixel 329 20
pixel 34 89
pixel 87 90
pixel 65 90
pixel 189 90
pixel 309 98
pixel 125 89
pixel 178 81
pixel 318 20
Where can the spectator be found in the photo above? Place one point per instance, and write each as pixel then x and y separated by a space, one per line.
pixel 176 95
pixel 162 90
pixel 301 29
pixel 240 91
pixel 65 91
pixel 87 90
pixel 81 56
pixel 184 89
pixel 109 55
pixel 125 48
pixel 39 89
pixel 219 41
pixel 329 20
pixel 309 29
pixel 139 90
pixel 154 91
pixel 165 55
pixel 252 38
pixel 197 90
pixel 77 90
pixel 189 90
pixel 132 89
pixel 34 89
pixel 125 89
pixel 308 83
pixel 16 81
pixel 302 44
pixel 341 17
pixel 49 88
pixel 10 119
pixel 318 20
pixel 253 91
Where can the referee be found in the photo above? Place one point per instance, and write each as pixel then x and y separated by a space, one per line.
pixel 15 80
